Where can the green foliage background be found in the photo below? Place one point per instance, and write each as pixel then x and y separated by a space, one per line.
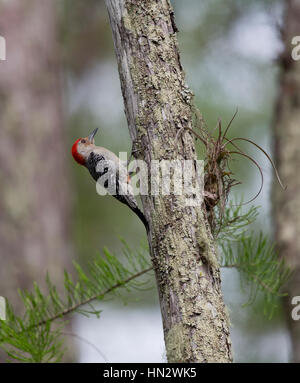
pixel 222 76
pixel 224 71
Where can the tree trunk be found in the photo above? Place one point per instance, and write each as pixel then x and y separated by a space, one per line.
pixel 158 104
pixel 34 202
pixel 287 154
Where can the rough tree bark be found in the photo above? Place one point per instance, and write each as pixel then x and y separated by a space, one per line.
pixel 287 155
pixel 34 201
pixel 158 104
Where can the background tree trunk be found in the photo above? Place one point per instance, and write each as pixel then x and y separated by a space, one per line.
pixel 158 104
pixel 34 201
pixel 287 154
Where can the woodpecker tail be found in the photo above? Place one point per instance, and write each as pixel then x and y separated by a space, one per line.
pixel 141 216
pixel 130 201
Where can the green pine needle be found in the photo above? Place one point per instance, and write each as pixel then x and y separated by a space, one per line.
pixel 33 338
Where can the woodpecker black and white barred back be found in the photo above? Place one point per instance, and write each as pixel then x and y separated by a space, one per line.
pixel 100 161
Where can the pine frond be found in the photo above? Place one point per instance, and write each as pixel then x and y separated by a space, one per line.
pixel 32 336
pixel 235 221
pixel 259 266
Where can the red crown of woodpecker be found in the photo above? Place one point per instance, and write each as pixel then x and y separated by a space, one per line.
pixel 86 141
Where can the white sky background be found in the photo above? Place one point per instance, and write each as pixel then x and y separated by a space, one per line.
pixel 132 333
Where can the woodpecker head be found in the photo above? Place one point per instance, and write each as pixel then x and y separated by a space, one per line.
pixel 82 148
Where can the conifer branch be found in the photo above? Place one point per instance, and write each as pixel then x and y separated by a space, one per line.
pixel 76 306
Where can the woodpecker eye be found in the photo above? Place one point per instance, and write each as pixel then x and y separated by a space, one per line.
pixel 83 141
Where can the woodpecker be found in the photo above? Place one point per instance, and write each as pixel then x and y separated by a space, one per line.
pixel 101 161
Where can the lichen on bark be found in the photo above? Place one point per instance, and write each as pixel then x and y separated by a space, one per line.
pixel 158 103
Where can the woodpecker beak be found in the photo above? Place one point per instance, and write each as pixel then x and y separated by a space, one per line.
pixel 92 135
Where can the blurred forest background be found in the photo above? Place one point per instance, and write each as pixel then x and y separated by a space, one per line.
pixel 59 82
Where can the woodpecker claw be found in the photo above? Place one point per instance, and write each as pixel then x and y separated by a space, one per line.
pixel 92 135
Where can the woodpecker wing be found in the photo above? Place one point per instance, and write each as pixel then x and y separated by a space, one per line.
pixel 105 168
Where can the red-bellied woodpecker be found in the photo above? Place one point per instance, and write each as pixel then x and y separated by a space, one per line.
pixel 106 168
